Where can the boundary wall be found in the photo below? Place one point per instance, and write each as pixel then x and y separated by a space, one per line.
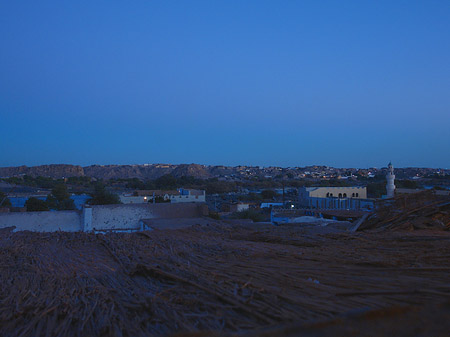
pixel 99 217
pixel 68 221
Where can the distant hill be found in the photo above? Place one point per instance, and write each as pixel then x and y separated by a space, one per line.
pixel 153 171
pixel 192 170
pixel 126 171
pixel 53 171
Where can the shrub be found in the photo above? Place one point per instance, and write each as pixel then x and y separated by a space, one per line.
pixel 35 205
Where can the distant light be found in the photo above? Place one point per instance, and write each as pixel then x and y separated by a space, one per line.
pixel 145 198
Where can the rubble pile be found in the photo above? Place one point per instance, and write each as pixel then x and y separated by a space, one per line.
pixel 216 280
pixel 423 210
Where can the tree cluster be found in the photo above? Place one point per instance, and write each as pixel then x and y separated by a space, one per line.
pixel 58 200
pixel 101 196
pixel 4 200
pixel 36 205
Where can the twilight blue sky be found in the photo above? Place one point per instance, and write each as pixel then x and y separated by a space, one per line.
pixel 286 83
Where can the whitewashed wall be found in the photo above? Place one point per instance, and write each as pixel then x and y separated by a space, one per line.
pixel 105 217
pixel 68 221
pixel 101 217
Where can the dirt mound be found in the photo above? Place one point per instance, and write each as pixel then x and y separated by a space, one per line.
pixel 424 210
pixel 214 280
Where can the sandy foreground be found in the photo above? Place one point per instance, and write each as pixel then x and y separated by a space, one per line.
pixel 222 280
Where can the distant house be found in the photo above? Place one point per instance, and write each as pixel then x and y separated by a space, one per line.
pixel 235 207
pixel 162 194
pixel 131 199
pixel 334 197
pixel 173 196
pixel 271 204
pixel 143 196
pixel 185 195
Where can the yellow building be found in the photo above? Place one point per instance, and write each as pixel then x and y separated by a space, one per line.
pixel 333 197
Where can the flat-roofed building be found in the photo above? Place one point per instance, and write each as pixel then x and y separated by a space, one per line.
pixel 188 195
pixel 173 196
pixel 354 197
pixel 234 207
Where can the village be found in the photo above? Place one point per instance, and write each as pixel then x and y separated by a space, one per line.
pixel 294 261
pixel 342 200
pixel 224 168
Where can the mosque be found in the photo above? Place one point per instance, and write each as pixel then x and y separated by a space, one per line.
pixel 344 198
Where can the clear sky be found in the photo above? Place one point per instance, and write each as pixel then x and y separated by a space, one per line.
pixel 286 83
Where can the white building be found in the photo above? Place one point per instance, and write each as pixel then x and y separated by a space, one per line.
pixel 132 199
pixel 175 196
pixel 235 207
pixel 185 195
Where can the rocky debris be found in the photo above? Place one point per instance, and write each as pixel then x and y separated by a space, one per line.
pixel 400 321
pixel 222 280
pixel 424 210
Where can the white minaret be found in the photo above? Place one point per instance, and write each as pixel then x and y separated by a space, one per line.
pixel 390 176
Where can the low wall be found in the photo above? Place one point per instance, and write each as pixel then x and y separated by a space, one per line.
pixel 67 221
pixel 179 210
pixel 110 217
pixel 100 217
pixel 106 217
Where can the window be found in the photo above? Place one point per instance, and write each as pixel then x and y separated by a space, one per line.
pixel 345 195
pixel 340 195
pixel 353 195
pixel 357 195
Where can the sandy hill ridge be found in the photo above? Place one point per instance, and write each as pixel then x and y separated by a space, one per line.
pixel 152 171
